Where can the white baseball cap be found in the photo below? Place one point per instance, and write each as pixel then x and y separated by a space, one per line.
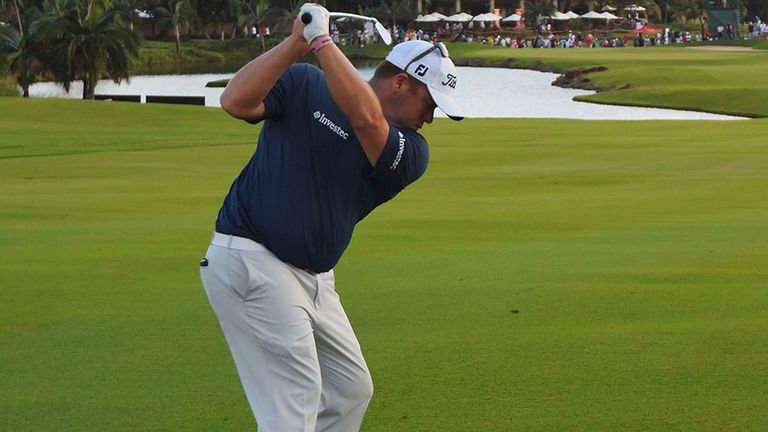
pixel 430 64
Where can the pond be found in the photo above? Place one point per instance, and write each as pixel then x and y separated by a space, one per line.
pixel 482 92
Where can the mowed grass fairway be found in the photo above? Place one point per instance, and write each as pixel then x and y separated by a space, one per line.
pixel 544 275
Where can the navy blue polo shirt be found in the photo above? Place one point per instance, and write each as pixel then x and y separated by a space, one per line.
pixel 309 181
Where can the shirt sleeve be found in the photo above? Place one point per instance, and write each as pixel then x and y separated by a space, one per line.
pixel 276 101
pixel 403 161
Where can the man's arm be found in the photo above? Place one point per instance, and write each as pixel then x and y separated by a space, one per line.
pixel 356 99
pixel 244 96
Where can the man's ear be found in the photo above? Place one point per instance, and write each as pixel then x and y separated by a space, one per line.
pixel 400 82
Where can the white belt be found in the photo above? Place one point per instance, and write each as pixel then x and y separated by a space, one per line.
pixel 242 243
pixel 234 242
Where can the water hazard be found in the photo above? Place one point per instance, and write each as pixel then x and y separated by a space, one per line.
pixel 482 92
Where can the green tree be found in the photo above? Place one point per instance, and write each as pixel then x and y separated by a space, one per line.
pixel 756 8
pixel 128 10
pixel 284 13
pixel 652 9
pixel 203 18
pixel 22 45
pixel 392 11
pixel 13 10
pixel 91 39
pixel 214 14
pixel 255 13
pixel 404 10
pixel 683 10
pixel 172 14
pixel 341 5
pixel 534 12
pixel 692 10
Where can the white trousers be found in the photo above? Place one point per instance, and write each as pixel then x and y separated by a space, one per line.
pixel 295 351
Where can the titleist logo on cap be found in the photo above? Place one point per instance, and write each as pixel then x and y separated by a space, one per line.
pixel 450 81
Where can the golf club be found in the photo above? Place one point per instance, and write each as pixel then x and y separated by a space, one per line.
pixel 383 33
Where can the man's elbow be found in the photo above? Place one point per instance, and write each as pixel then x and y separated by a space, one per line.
pixel 240 108
pixel 228 103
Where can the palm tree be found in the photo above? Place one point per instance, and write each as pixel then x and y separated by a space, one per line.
pixel 204 13
pixel 403 9
pixel 693 10
pixel 423 5
pixel 534 12
pixel 91 39
pixel 22 45
pixel 254 13
pixel 676 9
pixel 18 55
pixel 284 14
pixel 14 9
pixel 756 8
pixel 652 9
pixel 128 10
pixel 214 14
pixel 342 5
pixel 228 15
pixel 173 14
pixel 392 10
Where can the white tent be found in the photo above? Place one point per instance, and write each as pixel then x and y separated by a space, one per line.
pixel 512 18
pixel 634 8
pixel 572 14
pixel 592 15
pixel 426 19
pixel 437 15
pixel 559 16
pixel 609 16
pixel 486 17
pixel 459 17
pixel 608 8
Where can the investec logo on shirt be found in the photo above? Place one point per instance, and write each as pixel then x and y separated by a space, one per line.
pixel 400 148
pixel 325 121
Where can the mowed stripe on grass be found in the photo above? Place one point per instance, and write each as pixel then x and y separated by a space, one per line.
pixel 543 275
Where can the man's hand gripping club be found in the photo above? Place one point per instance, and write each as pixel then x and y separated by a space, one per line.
pixel 315 19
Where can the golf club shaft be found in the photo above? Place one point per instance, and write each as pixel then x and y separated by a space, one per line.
pixel 353 16
pixel 306 18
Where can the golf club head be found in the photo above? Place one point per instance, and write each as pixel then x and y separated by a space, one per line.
pixel 383 33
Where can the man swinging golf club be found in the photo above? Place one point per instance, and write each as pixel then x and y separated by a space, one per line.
pixel 332 148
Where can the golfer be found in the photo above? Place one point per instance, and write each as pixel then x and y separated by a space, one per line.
pixel 332 148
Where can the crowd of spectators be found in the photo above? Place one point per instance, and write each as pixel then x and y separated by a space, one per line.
pixel 545 38
pixel 568 39
pixel 757 29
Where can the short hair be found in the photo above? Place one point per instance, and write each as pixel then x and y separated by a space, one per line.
pixel 386 70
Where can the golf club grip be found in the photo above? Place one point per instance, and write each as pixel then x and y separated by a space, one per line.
pixel 306 18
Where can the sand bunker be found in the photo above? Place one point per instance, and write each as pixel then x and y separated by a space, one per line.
pixel 722 48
